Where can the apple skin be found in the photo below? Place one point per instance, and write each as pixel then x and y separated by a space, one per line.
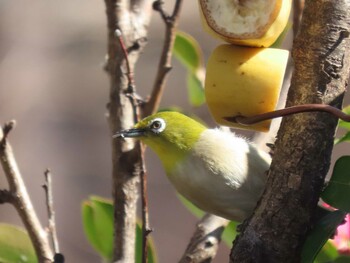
pixel 267 39
pixel 244 81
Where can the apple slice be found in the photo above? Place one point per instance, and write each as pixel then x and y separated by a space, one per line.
pixel 244 81
pixel 256 23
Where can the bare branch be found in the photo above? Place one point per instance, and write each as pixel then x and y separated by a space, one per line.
pixel 20 198
pixel 130 93
pixel 205 241
pixel 164 65
pixel 131 18
pixel 146 229
pixel 50 211
pixel 158 6
pixel 8 127
pixel 289 111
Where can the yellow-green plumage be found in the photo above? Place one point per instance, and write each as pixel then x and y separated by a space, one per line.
pixel 219 172
pixel 173 144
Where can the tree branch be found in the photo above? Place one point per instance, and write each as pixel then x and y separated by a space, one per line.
pixel 50 211
pixel 126 154
pixel 146 229
pixel 18 196
pixel 205 240
pixel 135 102
pixel 164 65
pixel 278 228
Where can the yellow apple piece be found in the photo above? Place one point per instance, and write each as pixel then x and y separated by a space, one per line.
pixel 256 23
pixel 244 81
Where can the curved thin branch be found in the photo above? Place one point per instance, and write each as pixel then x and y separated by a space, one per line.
pixel 289 111
pixel 164 65
pixel 20 198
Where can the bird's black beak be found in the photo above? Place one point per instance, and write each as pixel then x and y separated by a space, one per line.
pixel 130 133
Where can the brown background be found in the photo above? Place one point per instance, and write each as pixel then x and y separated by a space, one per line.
pixel 52 83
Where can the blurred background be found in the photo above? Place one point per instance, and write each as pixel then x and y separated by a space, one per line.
pixel 52 83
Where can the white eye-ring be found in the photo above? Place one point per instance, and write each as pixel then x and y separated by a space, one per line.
pixel 157 125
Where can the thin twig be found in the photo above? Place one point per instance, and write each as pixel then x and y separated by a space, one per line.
pixel 129 74
pixel 164 65
pixel 50 210
pixel 289 111
pixel 135 101
pixel 146 230
pixel 20 197
pixel 8 127
pixel 205 240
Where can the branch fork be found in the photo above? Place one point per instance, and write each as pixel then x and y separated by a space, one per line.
pixel 17 195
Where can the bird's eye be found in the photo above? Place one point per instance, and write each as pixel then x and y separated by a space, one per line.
pixel 157 125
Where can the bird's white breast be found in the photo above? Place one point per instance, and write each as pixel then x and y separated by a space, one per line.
pixel 223 175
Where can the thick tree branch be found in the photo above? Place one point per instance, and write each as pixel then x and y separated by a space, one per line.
pixel 132 19
pixel 277 230
pixel 135 102
pixel 18 196
pixel 164 65
pixel 205 240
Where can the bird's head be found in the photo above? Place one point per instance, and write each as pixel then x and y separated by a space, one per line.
pixel 170 134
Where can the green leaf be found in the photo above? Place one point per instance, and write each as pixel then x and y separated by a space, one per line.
pixel 15 245
pixel 344 138
pixel 337 192
pixel 230 233
pixel 97 216
pixel 342 259
pixel 188 51
pixel 195 90
pixel 97 213
pixel 344 124
pixel 319 235
pixel 327 254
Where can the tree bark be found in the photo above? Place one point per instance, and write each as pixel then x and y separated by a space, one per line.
pixel 277 230
pixel 132 19
pixel 205 241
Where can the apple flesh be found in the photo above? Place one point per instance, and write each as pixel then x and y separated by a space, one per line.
pixel 244 81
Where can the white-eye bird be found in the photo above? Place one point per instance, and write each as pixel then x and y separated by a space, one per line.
pixel 217 171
